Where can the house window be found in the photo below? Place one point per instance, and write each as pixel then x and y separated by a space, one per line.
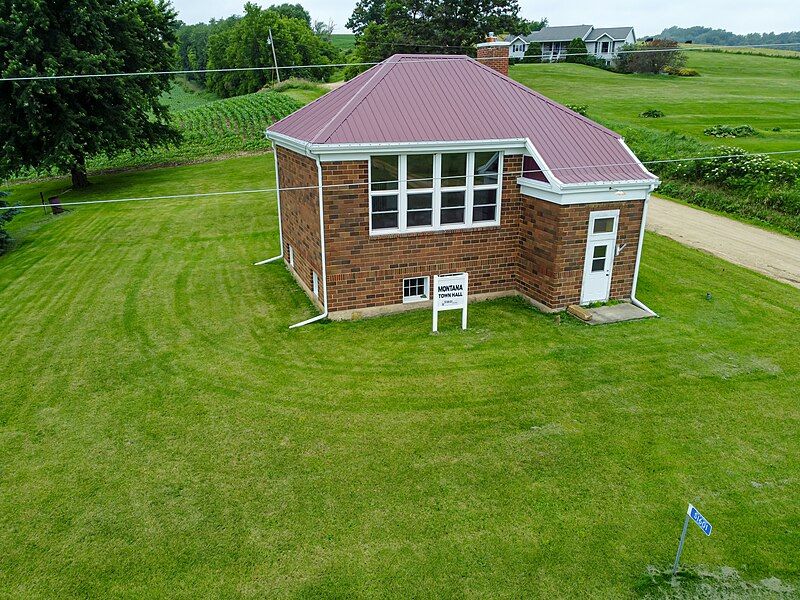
pixel 291 256
pixel 315 284
pixel 384 191
pixel 604 47
pixel 419 192
pixel 415 289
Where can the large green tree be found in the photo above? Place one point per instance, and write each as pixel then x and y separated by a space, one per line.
pixel 386 27
pixel 48 124
pixel 246 44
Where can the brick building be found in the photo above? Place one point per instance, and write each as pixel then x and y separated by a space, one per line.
pixel 427 165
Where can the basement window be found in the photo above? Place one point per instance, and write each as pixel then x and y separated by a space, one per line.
pixel 415 289
pixel 424 192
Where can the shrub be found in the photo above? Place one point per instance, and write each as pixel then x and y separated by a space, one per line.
pixel 5 217
pixel 729 131
pixel 533 54
pixel 681 71
pixel 776 129
pixel 652 113
pixel 581 109
pixel 665 54
pixel 577 51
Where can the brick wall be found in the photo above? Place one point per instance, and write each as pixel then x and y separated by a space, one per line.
pixel 495 57
pixel 368 271
pixel 300 214
pixel 538 249
pixel 553 249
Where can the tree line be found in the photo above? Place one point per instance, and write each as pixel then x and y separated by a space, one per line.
pixel 721 37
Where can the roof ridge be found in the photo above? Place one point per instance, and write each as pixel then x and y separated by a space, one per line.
pixel 361 92
pixel 553 103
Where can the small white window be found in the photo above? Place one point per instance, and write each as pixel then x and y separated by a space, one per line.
pixel 315 284
pixel 291 256
pixel 415 289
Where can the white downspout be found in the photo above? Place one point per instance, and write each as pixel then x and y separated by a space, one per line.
pixel 280 223
pixel 634 300
pixel 322 246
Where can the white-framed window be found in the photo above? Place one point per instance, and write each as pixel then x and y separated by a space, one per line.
pixel 291 256
pixel 315 284
pixel 433 191
pixel 416 289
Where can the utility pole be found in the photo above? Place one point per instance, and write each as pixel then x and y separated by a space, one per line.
pixel 274 59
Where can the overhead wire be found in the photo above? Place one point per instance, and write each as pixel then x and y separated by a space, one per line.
pixel 57 77
pixel 364 183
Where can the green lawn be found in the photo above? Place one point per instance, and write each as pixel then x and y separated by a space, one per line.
pixel 733 89
pixel 163 434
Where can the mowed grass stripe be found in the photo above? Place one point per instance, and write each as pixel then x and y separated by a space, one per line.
pixel 179 439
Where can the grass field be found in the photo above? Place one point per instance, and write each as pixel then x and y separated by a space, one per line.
pixel 344 41
pixel 733 89
pixel 162 432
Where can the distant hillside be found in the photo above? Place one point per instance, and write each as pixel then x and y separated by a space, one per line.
pixel 721 37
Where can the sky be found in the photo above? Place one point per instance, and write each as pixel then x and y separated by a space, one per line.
pixel 646 17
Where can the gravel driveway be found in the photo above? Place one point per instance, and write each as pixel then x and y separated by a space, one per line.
pixel 772 254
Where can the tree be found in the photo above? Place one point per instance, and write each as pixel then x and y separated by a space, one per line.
pixel 324 30
pixel 47 124
pixel 246 44
pixel 6 214
pixel 386 27
pixel 665 54
pixel 292 11
pixel 527 27
pixel 533 54
pixel 366 12
pixel 193 45
pixel 576 51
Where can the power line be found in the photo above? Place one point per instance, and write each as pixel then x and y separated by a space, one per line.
pixel 360 184
pixel 350 64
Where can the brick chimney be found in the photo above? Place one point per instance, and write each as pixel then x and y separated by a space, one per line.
pixel 494 53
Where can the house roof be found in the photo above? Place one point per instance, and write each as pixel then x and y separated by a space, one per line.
pixel 563 33
pixel 447 98
pixel 615 33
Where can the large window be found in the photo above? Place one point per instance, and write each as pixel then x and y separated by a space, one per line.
pixel 418 192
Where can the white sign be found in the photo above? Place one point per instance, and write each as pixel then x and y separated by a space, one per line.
pixel 450 293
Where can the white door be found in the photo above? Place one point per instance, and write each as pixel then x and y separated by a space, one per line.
pixel 600 251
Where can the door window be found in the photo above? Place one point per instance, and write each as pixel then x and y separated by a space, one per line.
pixel 599 258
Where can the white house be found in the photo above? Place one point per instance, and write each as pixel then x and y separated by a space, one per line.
pixel 602 42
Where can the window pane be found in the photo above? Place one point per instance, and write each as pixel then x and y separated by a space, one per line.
pixel 419 218
pixel 453 199
pixel 483 213
pixel 485 197
pixel 599 252
pixel 486 165
pixel 605 225
pixel 384 203
pixel 384 221
pixel 454 165
pixel 452 215
pixel 384 172
pixel 417 201
pixel 419 169
pixel 598 264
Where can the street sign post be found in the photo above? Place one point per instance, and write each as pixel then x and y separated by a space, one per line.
pixel 450 293
pixel 693 514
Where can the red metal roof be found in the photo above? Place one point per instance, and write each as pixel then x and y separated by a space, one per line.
pixel 436 98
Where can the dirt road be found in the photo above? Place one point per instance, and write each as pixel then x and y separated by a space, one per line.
pixel 772 254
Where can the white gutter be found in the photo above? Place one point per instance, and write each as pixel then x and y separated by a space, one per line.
pixel 322 247
pixel 280 223
pixel 634 300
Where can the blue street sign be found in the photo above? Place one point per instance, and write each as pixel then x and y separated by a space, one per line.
pixel 695 516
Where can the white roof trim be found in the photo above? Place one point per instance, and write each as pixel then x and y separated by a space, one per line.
pixel 334 152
